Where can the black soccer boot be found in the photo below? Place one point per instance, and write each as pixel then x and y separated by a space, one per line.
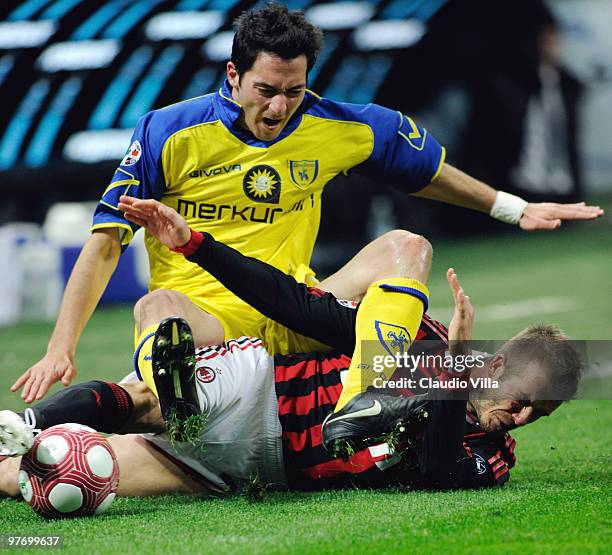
pixel 174 365
pixel 370 417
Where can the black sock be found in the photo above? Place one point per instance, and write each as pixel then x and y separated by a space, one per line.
pixel 103 406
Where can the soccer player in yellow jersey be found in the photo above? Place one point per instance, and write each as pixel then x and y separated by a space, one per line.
pixel 249 163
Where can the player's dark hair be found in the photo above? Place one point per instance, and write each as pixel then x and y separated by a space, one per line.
pixel 276 30
pixel 556 354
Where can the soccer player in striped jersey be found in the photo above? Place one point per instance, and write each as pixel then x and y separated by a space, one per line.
pixel 264 418
pixel 265 414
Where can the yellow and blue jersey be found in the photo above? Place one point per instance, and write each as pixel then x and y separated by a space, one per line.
pixel 262 198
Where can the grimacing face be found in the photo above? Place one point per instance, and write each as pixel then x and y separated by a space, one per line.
pixel 269 93
pixel 516 402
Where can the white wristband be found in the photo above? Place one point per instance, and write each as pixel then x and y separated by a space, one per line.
pixel 508 208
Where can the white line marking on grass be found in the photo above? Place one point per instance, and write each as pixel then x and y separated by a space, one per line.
pixel 517 309
pixel 528 307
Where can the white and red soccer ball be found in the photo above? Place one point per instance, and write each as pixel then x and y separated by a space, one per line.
pixel 70 471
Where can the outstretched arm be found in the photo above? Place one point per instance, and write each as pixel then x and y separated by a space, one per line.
pixel 87 282
pixel 456 187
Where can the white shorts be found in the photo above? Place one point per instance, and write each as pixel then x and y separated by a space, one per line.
pixel 242 433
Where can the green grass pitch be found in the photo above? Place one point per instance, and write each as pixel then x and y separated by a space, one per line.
pixel 559 497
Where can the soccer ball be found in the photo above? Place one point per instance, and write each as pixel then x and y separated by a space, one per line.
pixel 70 471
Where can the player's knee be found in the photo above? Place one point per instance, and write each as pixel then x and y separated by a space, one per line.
pixel 402 244
pixel 156 305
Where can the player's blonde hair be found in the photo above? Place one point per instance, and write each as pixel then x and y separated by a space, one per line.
pixel 556 354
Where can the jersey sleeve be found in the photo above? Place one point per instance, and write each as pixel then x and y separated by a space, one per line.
pixel 404 153
pixel 139 175
pixel 306 310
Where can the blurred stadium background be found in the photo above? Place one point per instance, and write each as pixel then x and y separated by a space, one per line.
pixel 75 75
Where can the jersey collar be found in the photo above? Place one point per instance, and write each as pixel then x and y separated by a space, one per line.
pixel 229 112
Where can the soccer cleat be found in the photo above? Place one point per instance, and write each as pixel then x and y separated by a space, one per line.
pixel 173 358
pixel 16 434
pixel 368 417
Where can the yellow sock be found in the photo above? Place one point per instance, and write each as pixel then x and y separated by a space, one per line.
pixel 142 356
pixel 387 322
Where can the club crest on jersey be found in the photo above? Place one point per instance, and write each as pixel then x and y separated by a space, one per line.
pixel 481 465
pixel 347 303
pixel 262 184
pixel 395 339
pixel 205 374
pixel 303 172
pixel 132 155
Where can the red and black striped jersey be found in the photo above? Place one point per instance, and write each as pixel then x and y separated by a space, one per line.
pixel 309 385
pixel 496 448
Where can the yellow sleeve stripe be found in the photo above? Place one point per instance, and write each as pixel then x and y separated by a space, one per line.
pixel 130 175
pixel 414 134
pixel 127 235
pixel 442 159
pixel 127 182
pixel 107 204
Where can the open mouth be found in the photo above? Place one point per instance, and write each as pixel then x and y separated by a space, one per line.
pixel 271 123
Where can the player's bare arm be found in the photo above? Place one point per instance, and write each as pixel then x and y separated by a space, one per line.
pixel 453 186
pixel 87 282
